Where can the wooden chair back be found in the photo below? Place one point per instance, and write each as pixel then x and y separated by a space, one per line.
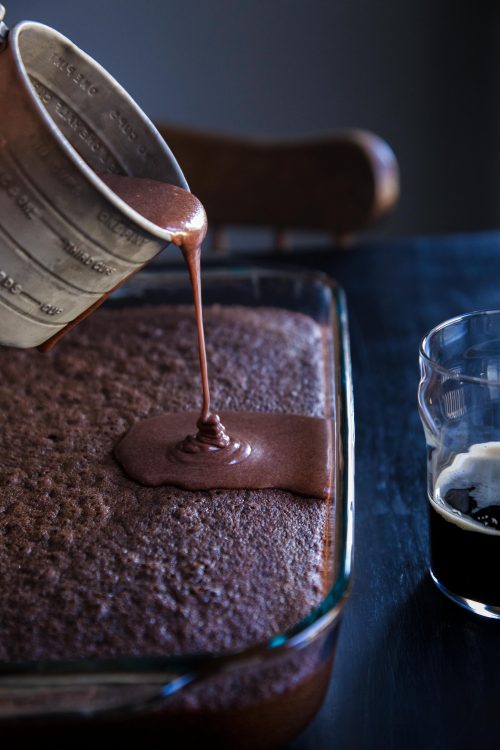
pixel 342 184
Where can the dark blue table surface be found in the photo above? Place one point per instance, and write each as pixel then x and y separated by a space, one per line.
pixel 413 670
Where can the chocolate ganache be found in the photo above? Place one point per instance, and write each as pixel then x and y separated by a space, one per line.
pixel 258 450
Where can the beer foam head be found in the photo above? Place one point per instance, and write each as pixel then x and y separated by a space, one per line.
pixel 478 471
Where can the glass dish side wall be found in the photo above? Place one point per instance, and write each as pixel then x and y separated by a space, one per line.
pixel 141 684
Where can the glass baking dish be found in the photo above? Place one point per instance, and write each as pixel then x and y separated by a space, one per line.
pixel 278 685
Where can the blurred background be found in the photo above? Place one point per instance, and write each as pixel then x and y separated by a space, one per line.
pixel 423 74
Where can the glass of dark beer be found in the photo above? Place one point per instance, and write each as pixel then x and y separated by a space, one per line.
pixel 459 405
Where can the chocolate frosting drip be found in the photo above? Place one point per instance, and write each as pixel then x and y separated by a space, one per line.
pixel 180 213
pixel 192 258
pixel 211 436
pixel 261 450
pixel 287 451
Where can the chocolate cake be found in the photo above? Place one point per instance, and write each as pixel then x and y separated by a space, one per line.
pixel 93 564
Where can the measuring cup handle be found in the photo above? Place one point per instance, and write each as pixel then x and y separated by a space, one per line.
pixel 4 30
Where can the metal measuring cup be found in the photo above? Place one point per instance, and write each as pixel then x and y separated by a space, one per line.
pixel 65 238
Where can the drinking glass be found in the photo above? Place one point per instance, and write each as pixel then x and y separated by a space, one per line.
pixel 459 405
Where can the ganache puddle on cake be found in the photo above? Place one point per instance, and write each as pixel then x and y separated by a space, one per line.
pixel 240 450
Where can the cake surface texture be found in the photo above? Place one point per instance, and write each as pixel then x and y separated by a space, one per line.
pixel 93 564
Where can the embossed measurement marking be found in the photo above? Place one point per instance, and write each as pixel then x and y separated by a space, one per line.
pixel 74 74
pixel 57 107
pixel 49 309
pixel 17 193
pixel 45 307
pixel 47 203
pixel 9 284
pixel 30 297
pixel 22 311
pixel 117 226
pixel 54 165
pixel 126 128
pixel 79 253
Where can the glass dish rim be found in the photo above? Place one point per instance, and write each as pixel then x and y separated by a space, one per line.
pixel 445 370
pixel 192 667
